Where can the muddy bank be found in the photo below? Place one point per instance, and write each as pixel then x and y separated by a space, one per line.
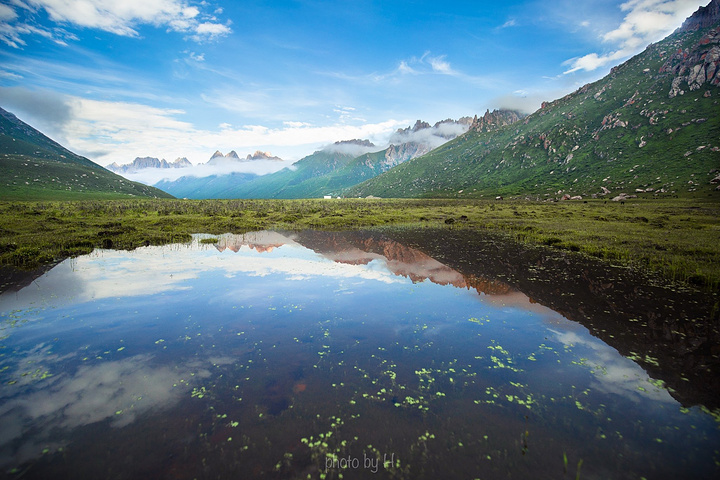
pixel 672 332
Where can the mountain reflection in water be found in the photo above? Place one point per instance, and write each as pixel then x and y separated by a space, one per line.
pixel 276 354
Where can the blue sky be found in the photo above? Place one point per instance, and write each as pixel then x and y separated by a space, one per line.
pixel 113 80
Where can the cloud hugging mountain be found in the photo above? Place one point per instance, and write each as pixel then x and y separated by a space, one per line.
pixel 325 172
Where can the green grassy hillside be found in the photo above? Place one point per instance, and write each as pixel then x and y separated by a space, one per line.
pixel 624 132
pixel 34 167
pixel 305 179
pixel 34 178
pixel 214 186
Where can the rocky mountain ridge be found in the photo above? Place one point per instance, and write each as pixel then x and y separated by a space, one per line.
pixel 218 158
pixel 704 17
pixel 141 163
pixel 356 142
pixel 494 120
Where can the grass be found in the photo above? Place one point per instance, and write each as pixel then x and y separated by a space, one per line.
pixel 677 239
pixel 25 178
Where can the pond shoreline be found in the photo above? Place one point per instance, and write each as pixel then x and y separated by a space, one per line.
pixel 671 329
pixel 270 352
pixel 676 239
pixel 673 332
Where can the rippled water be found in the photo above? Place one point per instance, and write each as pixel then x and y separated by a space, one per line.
pixel 319 355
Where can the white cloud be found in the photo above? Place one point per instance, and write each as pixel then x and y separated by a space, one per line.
pixel 119 391
pixel 593 61
pixel 7 14
pixel 510 23
pixel 212 29
pixel 108 132
pixel 151 176
pixel 404 68
pixel 118 17
pixel 646 21
pixel 614 373
pixel 198 57
pixel 350 149
pixel 427 63
pixel 432 137
pixel 291 124
pixel 439 65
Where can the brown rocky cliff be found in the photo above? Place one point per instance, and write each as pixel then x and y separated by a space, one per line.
pixel 493 120
pixel 704 17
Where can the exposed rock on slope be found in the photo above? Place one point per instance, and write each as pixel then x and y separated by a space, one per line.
pixel 696 66
pixel 494 120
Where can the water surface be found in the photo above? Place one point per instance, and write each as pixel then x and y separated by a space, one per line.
pixel 319 355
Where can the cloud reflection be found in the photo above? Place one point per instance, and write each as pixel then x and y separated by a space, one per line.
pixel 119 391
pixel 614 373
pixel 147 271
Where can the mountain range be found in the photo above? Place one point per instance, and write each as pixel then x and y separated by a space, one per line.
pixel 141 163
pixel 325 172
pixel 651 127
pixel 34 167
pixel 219 159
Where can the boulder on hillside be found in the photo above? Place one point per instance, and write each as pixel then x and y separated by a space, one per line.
pixel 622 197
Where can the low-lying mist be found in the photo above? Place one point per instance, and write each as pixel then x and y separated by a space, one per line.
pixel 151 176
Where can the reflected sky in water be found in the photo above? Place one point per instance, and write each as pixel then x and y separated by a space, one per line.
pixel 267 354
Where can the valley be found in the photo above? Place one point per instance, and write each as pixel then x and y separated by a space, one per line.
pixel 519 293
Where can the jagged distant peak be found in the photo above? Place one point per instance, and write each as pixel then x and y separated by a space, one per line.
pixel 141 163
pixel 422 125
pixel 355 141
pixel 258 155
pixel 419 125
pixel 494 120
pixel 232 156
pixel 461 121
pixel 146 159
pixel 704 17
pixel 181 162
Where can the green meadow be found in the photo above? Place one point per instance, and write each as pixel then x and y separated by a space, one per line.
pixel 677 240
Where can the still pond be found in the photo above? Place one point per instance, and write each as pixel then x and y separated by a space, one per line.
pixel 316 355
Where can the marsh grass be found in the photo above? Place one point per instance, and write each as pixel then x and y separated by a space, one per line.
pixel 678 239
